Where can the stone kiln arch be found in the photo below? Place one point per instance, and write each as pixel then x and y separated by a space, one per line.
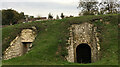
pixel 84 33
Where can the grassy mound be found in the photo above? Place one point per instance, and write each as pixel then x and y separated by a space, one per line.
pixel 50 43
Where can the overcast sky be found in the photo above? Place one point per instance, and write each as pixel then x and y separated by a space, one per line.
pixel 43 7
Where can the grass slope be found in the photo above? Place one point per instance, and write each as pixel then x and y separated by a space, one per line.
pixel 52 36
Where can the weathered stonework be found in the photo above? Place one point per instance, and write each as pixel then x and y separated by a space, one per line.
pixel 20 45
pixel 28 35
pixel 83 33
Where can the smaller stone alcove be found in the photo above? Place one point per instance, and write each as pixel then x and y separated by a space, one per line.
pixel 21 44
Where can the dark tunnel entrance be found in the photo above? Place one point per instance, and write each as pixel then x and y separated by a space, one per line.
pixel 83 53
pixel 26 47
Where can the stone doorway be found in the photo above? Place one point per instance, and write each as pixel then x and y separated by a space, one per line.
pixel 83 34
pixel 26 47
pixel 83 53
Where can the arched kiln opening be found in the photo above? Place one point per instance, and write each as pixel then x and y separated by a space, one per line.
pixel 83 53
pixel 83 43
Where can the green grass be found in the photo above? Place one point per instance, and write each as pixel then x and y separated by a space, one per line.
pixel 49 46
pixel 109 43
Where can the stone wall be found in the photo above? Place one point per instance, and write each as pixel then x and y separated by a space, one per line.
pixel 28 35
pixel 83 33
pixel 20 45
pixel 14 50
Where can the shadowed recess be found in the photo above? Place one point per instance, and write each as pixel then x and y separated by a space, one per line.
pixel 83 53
